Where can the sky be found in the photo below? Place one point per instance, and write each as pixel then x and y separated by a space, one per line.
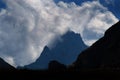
pixel 112 5
pixel 27 26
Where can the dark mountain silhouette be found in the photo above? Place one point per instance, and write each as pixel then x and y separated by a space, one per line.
pixel 5 66
pixel 65 51
pixel 104 54
pixel 56 66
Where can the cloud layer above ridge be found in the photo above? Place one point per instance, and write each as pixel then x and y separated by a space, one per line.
pixel 27 26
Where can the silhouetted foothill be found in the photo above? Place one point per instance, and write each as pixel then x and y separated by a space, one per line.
pixel 5 66
pixel 56 66
pixel 103 54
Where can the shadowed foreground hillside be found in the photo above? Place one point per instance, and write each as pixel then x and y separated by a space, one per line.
pixel 5 66
pixel 104 54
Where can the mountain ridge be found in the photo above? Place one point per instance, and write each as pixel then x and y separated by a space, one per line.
pixel 105 53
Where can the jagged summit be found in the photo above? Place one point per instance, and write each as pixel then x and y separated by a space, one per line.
pixel 65 51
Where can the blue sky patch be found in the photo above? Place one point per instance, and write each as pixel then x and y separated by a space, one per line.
pixel 2 5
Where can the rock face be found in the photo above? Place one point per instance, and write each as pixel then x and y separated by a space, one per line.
pixel 105 53
pixel 5 66
pixel 66 51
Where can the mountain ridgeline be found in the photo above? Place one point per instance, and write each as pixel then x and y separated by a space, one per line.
pixel 103 54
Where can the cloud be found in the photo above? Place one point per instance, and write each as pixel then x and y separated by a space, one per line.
pixel 27 26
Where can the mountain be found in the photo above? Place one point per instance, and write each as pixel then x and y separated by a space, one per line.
pixel 56 66
pixel 5 66
pixel 65 51
pixel 104 54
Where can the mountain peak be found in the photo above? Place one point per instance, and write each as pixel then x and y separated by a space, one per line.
pixel 65 51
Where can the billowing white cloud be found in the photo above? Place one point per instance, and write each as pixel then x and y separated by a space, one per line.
pixel 26 26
